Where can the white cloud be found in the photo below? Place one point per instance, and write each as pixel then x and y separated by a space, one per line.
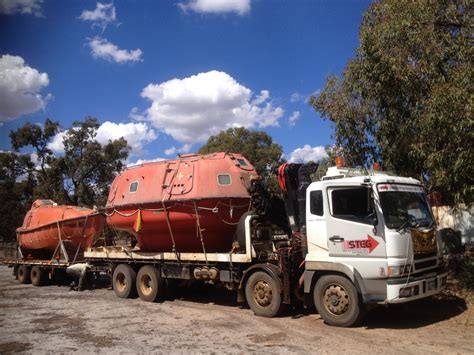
pixel 36 161
pixel 260 99
pixel 24 7
pixel 102 48
pixel 173 150
pixel 136 115
pixel 295 116
pixel 296 96
pixel 241 7
pixel 307 154
pixel 56 144
pixel 143 161
pixel 136 135
pixel 194 108
pixel 101 16
pixel 20 87
pixel 315 93
pixel 303 98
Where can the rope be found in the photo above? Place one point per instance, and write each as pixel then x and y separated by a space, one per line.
pixel 214 209
pixel 136 211
pixel 199 231
pixel 171 231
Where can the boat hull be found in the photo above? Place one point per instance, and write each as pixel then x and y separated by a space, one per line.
pixel 76 232
pixel 188 226
pixel 47 224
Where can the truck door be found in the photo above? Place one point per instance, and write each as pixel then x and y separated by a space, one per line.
pixel 316 221
pixel 352 229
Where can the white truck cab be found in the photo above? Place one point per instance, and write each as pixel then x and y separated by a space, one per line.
pixel 375 230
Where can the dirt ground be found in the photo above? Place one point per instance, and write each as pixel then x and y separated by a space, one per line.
pixel 208 320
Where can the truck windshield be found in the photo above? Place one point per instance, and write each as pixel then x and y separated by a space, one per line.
pixel 404 205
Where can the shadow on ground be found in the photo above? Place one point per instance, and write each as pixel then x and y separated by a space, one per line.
pixel 415 314
pixel 410 315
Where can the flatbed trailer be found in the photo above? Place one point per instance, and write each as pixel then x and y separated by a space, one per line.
pixel 40 271
pixel 259 278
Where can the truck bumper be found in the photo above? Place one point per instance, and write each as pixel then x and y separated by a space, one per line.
pixel 405 290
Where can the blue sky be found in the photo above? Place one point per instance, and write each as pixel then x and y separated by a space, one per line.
pixel 167 74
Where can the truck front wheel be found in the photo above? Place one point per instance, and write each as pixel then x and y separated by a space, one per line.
pixel 337 301
pixel 263 295
pixel 150 285
pixel 123 281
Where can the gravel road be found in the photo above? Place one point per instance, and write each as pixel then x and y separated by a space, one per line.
pixel 54 319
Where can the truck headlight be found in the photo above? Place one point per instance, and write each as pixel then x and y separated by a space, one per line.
pixel 394 271
pixel 399 270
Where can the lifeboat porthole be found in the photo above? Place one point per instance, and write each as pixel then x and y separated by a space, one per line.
pixel 224 179
pixel 133 187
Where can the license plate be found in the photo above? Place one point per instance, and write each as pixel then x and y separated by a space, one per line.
pixel 430 285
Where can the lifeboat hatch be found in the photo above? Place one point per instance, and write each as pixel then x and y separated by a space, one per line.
pixel 180 177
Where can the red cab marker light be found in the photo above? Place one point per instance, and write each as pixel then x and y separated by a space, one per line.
pixel 340 162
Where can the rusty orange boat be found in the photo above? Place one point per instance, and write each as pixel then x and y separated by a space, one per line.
pixel 191 204
pixel 47 224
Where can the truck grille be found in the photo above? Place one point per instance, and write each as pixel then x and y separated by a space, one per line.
pixel 419 256
pixel 425 264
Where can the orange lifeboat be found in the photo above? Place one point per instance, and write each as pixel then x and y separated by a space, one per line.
pixel 191 204
pixel 46 225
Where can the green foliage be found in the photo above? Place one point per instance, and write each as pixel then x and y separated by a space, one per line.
pixel 452 241
pixel 406 98
pixel 82 175
pixel 256 146
pixel 87 168
pixel 36 136
pixel 466 274
pixel 16 191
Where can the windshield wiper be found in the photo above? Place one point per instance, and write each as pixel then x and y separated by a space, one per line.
pixel 407 219
pixel 408 223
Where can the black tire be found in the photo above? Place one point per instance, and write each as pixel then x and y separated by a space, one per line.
pixel 263 294
pixel 337 301
pixel 23 274
pixel 38 276
pixel 123 281
pixel 150 285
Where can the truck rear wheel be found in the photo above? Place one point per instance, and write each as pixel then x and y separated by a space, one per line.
pixel 123 281
pixel 263 295
pixel 23 274
pixel 38 276
pixel 150 285
pixel 337 301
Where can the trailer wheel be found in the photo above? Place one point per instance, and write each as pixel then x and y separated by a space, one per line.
pixel 150 285
pixel 262 294
pixel 123 281
pixel 23 274
pixel 38 276
pixel 337 301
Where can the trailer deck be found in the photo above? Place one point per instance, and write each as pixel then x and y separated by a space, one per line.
pixel 122 253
